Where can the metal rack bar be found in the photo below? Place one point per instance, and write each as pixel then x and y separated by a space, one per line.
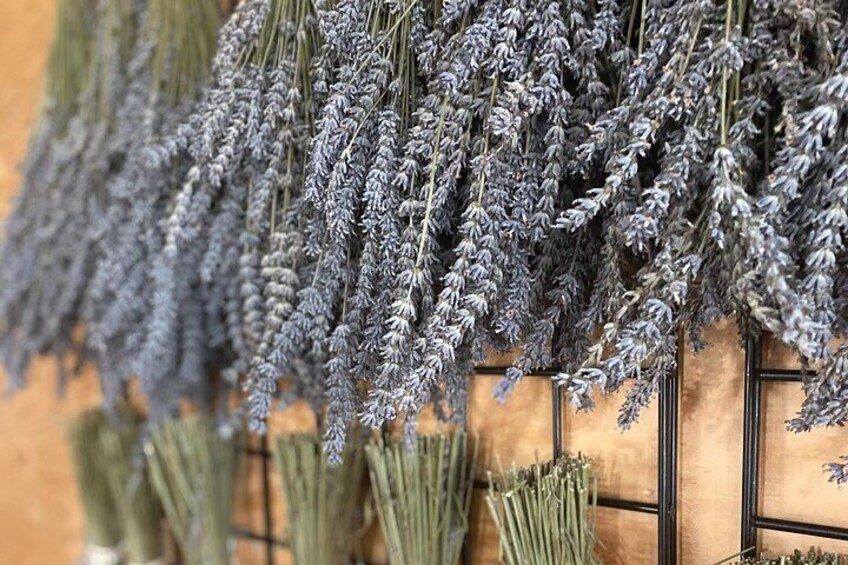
pixel 666 507
pixel 755 378
pixel 253 536
pixel 629 505
pixel 792 527
pixel 751 443
pixel 556 404
pixel 257 452
pixel 777 375
pixel 266 500
pixel 267 538
pixel 500 370
pixel 667 477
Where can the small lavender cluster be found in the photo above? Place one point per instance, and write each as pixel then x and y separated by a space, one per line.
pixel 371 195
pixel 812 556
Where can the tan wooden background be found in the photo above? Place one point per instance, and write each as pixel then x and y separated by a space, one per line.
pixel 40 520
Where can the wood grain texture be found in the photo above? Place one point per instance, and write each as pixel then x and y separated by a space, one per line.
pixel 711 448
pixel 624 461
pixel 520 433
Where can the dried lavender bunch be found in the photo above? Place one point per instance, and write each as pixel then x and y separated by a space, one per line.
pixel 720 195
pixel 68 65
pixel 169 67
pixel 50 247
pixel 202 269
pixel 358 123
pixel 433 177
pixel 516 172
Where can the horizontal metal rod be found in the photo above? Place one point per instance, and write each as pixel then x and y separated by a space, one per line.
pixel 256 452
pixel 817 530
pixel 780 375
pixel 501 369
pixel 629 505
pixel 481 484
pixel 253 536
pixel 248 535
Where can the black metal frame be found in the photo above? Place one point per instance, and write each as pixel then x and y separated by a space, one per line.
pixel 755 377
pixel 665 508
pixel 263 453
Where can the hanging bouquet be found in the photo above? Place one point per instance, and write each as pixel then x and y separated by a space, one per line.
pixel 50 238
pixel 168 69
pixel 370 195
pixel 123 75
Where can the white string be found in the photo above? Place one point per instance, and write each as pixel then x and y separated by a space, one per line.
pixel 98 555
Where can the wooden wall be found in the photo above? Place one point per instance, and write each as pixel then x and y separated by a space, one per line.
pixel 40 520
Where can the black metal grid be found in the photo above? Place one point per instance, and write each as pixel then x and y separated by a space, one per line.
pixel 665 508
pixel 266 537
pixel 755 378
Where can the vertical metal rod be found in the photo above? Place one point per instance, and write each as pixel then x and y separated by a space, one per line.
pixel 556 397
pixel 266 500
pixel 466 540
pixel 556 403
pixel 751 443
pixel 662 503
pixel 667 476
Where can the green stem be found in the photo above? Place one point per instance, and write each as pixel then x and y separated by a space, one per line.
pixel 691 48
pixel 482 185
pixel 431 186
pixel 728 20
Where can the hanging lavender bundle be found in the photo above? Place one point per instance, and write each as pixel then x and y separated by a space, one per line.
pixel 668 138
pixel 368 83
pixel 169 66
pixel 50 244
pixel 372 194
pixel 720 196
pixel 434 173
pixel 233 205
